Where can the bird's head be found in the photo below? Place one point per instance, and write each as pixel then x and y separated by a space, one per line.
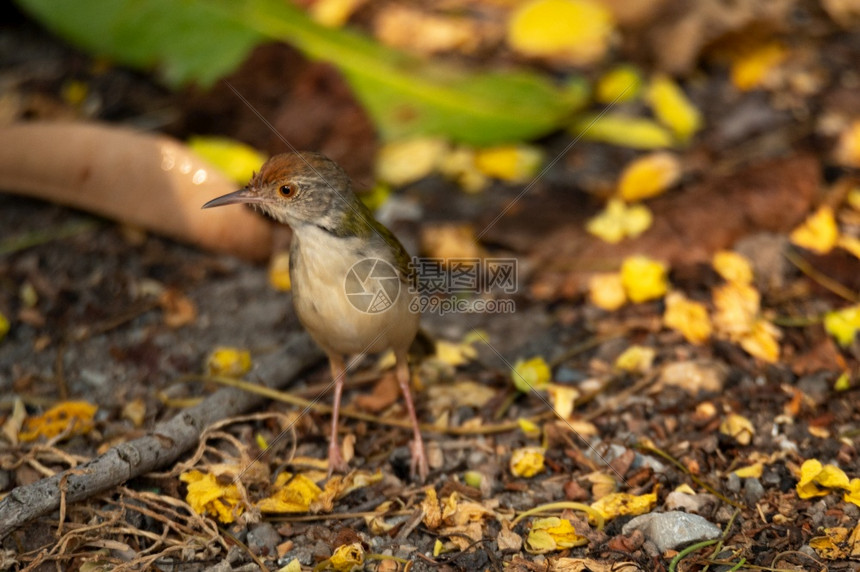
pixel 300 189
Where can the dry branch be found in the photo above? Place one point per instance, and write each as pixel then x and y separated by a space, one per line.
pixel 163 445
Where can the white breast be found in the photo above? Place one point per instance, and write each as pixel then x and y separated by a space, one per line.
pixel 323 271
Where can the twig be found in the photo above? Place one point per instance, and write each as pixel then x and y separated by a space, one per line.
pixel 163 445
pixel 293 399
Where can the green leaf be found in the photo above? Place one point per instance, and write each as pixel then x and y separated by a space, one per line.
pixel 202 40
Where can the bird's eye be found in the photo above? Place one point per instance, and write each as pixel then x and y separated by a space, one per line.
pixel 288 190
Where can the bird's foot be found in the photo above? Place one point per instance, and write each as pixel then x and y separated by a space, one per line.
pixel 335 459
pixel 418 465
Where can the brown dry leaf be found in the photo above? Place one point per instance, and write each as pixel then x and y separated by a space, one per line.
pixel 467 393
pixel 178 309
pixel 694 376
pixel 508 539
pixel 591 565
pixel 338 486
pixel 385 393
pixel 432 510
pixel 845 12
pixel 602 484
pixel 376 522
pixel 848 146
pixel 135 411
pixel 13 423
pixel 465 536
pixel 566 256
pixel 457 511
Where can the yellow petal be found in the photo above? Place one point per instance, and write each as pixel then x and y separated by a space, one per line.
pixel 649 176
pixel 574 31
pixel 279 271
pixel 848 146
pixel 527 461
pixel 828 546
pixel 432 510
pixel 347 557
pixel 849 243
pixel 816 479
pixel 207 495
pixel 733 266
pixel 619 221
pixel 620 504
pixel 553 533
pixel 643 278
pixel 4 326
pixel 753 471
pixel 738 427
pixel 852 495
pixel 843 324
pixel 512 163
pixel 529 428
pixel 688 317
pixel 455 354
pixel 636 359
pixel 623 130
pixel 404 162
pixel 333 13
pixel 762 341
pixel 843 382
pixel 236 160
pixel 290 494
pixel 228 362
pixel 459 165
pixel 533 374
pixel 818 232
pixel 563 398
pixel 620 84
pixel 752 68
pixel 672 107
pixel 606 291
pixel 736 308
pixel 69 417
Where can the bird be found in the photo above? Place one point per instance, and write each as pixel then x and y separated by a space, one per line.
pixel 350 274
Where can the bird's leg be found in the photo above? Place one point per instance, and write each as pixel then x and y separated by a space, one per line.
pixel 419 459
pixel 338 374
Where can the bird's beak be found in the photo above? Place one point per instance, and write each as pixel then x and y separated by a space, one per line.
pixel 241 196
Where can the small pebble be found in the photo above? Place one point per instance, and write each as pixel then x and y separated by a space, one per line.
pixel 672 530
